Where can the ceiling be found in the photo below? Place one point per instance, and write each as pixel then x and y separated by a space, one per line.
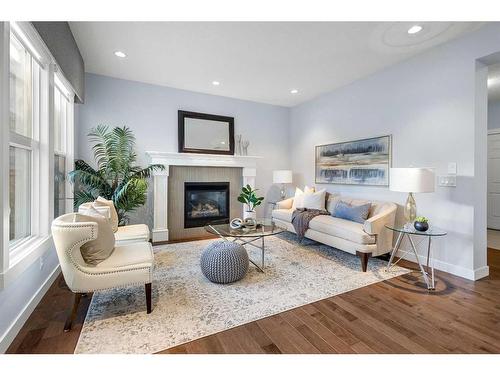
pixel 494 82
pixel 258 61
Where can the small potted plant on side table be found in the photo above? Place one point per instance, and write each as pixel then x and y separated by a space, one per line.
pixel 249 197
pixel 421 223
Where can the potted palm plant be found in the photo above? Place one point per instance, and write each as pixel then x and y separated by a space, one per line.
pixel 249 197
pixel 117 177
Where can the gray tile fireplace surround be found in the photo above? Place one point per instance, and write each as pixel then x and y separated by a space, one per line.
pixel 181 174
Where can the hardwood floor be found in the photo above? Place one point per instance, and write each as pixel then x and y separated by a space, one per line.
pixel 393 316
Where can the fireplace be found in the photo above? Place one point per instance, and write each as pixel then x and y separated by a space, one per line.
pixel 205 202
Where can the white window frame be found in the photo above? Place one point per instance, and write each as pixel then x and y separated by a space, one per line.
pixel 14 261
pixel 33 146
pixel 63 86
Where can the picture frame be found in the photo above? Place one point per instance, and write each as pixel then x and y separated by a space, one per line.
pixel 358 162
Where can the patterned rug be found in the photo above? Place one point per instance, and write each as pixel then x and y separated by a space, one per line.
pixel 186 306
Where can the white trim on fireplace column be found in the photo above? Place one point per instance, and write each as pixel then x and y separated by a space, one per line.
pixel 248 179
pixel 160 223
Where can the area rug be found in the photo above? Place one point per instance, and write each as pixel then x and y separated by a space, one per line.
pixel 186 306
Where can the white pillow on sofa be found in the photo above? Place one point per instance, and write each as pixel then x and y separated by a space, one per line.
pixel 315 201
pixel 298 200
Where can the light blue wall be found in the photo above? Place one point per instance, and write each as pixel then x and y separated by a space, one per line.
pixel 427 103
pixel 151 112
pixel 494 114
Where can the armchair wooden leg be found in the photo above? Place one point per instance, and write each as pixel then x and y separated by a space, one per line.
pixel 72 315
pixel 148 298
pixel 364 259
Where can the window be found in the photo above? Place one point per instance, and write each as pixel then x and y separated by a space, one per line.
pixel 19 197
pixel 62 123
pixel 37 146
pixel 24 80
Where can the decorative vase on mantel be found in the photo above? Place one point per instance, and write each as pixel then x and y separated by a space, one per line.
pixel 245 145
pixel 239 150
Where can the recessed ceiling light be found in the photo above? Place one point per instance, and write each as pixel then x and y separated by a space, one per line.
pixel 415 29
pixel 294 91
pixel 120 54
pixel 215 83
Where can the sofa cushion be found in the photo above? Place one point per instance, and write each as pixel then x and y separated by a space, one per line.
pixel 352 212
pixel 315 201
pixel 331 202
pixel 298 200
pixel 348 230
pixel 283 215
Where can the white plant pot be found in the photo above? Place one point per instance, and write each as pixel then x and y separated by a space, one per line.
pixel 251 214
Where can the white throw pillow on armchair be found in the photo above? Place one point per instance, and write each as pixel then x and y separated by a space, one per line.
pixel 315 201
pixel 298 200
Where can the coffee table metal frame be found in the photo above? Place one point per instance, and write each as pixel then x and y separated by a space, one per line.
pixel 252 238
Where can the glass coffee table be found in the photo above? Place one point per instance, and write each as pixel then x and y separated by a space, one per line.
pixel 252 237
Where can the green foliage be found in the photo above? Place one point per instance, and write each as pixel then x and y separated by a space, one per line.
pixel 117 177
pixel 421 219
pixel 248 196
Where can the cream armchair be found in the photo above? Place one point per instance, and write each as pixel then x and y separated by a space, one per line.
pixel 128 264
pixel 126 234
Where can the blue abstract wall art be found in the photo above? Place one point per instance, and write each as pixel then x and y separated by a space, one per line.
pixel 360 162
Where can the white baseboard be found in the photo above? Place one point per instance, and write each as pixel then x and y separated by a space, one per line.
pixel 479 273
pixel 16 326
pixel 466 273
pixel 160 235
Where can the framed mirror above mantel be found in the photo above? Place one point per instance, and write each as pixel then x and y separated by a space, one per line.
pixel 203 133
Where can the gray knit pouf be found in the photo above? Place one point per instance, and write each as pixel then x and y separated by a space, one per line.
pixel 224 262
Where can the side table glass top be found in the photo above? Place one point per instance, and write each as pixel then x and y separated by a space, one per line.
pixel 265 227
pixel 409 229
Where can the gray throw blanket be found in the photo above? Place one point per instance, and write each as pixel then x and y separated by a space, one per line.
pixel 301 218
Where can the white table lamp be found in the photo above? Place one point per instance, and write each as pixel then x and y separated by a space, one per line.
pixel 412 180
pixel 283 176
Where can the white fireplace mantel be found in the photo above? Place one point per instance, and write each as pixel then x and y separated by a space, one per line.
pixel 202 160
pixel 160 229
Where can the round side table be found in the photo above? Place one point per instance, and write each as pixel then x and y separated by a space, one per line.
pixel 409 231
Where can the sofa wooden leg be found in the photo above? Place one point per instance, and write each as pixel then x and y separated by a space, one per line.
pixel 72 315
pixel 364 259
pixel 148 298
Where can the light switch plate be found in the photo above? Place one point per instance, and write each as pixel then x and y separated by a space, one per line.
pixel 452 168
pixel 447 180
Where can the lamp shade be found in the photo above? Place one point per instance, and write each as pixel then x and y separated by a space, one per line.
pixel 412 180
pixel 282 176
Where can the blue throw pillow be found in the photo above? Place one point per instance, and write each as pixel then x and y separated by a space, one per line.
pixel 359 214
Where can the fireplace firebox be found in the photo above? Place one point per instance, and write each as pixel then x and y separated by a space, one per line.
pixel 205 202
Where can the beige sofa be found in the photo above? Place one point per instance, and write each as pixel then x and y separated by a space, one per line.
pixel 364 240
